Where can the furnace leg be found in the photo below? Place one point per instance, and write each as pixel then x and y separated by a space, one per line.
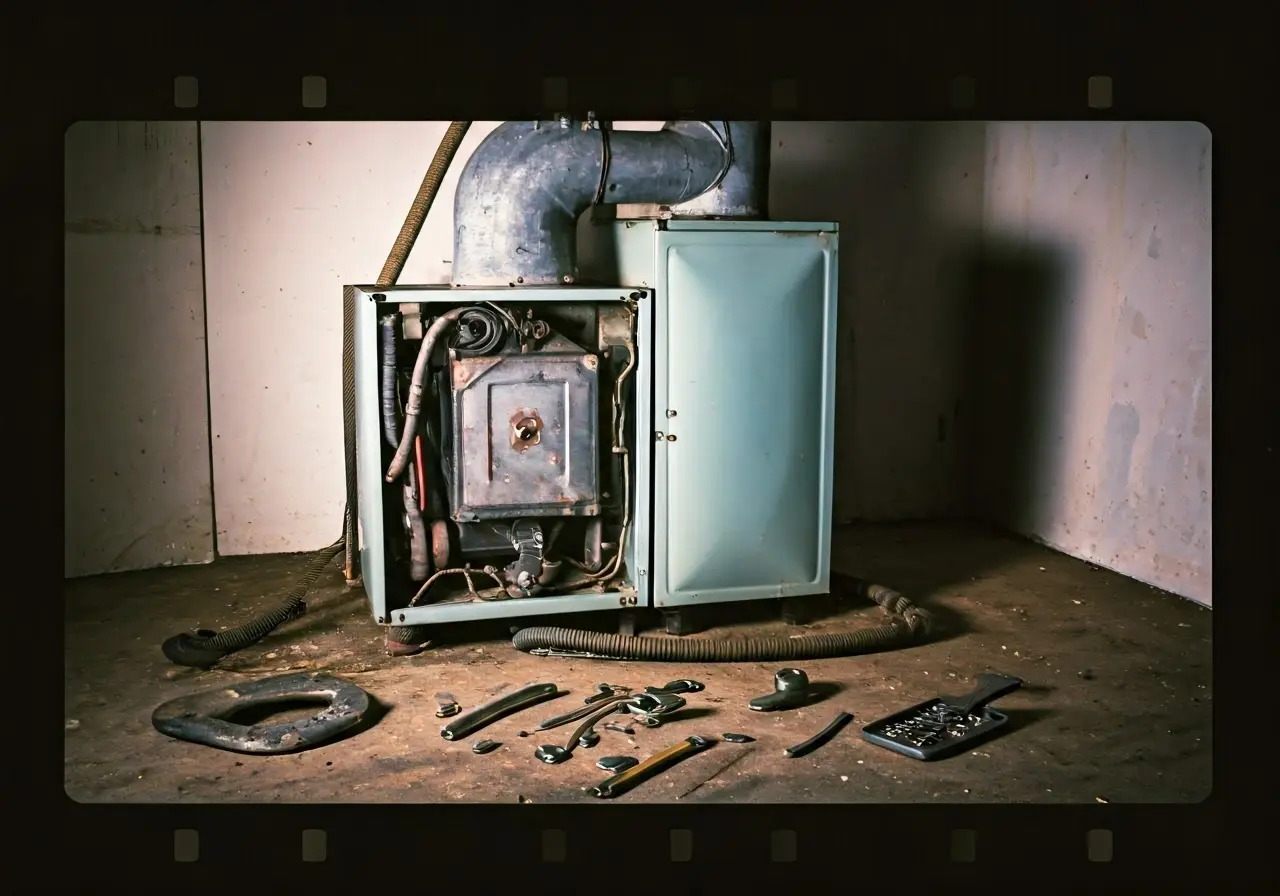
pixel 683 621
pixel 406 640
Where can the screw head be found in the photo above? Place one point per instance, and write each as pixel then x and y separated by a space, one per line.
pixel 671 438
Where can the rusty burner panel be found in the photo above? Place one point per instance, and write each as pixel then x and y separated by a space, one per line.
pixel 525 436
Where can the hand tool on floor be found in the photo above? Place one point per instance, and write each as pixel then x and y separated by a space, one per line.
pixel 679 686
pixel 791 688
pixel 604 691
pixel 821 738
pixel 655 764
pixel 944 726
pixel 649 708
pixel 507 704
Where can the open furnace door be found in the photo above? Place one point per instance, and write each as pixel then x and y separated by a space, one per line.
pixel 744 396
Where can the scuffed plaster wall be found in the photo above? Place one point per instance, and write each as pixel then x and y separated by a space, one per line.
pixel 136 474
pixel 1093 336
pixel 292 212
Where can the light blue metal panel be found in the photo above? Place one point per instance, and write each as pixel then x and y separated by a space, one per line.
pixel 369 454
pixel 369 469
pixel 745 383
pixel 634 244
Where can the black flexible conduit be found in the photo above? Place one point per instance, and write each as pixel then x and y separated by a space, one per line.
pixel 204 648
pixel 908 624
pixel 388 369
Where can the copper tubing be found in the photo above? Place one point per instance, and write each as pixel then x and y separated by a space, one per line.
pixel 422 476
pixel 417 215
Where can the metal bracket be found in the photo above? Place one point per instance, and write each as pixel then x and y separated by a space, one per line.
pixel 523 573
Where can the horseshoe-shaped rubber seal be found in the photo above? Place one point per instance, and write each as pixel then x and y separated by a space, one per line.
pixel 201 718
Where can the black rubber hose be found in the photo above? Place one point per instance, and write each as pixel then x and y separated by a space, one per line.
pixel 204 648
pixel 388 343
pixel 908 625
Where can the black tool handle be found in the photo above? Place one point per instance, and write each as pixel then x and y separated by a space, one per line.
pixel 991 686
pixel 679 686
pixel 804 749
pixel 494 710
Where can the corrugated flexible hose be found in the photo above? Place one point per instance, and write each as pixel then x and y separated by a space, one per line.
pixel 204 648
pixel 908 624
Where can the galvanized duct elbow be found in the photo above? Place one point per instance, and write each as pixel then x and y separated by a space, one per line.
pixel 521 192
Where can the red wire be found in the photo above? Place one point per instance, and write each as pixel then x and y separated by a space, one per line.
pixel 422 476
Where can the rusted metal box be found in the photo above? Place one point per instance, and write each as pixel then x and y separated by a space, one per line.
pixel 525 436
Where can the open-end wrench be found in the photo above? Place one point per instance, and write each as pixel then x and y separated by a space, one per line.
pixel 605 690
pixel 582 712
pixel 653 706
pixel 658 762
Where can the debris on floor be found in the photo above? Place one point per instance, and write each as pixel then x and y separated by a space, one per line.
pixel 1115 705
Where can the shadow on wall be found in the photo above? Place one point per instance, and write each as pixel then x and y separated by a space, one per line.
pixel 1017 298
pixel 909 201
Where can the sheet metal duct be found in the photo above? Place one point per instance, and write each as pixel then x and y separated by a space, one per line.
pixel 521 192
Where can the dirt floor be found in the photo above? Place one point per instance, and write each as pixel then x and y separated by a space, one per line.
pixel 1116 706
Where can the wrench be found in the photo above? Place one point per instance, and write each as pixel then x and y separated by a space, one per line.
pixel 658 762
pixel 582 711
pixel 648 707
pixel 482 716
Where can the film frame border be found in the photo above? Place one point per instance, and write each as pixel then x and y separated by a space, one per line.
pixel 1185 841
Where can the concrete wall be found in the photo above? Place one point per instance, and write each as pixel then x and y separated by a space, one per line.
pixel 1092 337
pixel 137 480
pixel 293 210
